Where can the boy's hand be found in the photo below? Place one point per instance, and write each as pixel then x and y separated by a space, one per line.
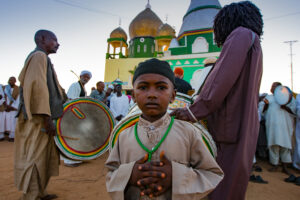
pixel 137 174
pixel 158 177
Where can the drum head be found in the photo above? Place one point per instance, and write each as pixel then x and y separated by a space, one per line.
pixel 84 129
pixel 282 95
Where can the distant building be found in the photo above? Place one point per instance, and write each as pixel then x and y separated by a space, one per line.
pixel 150 37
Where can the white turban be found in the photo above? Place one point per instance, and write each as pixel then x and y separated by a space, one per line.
pixel 86 72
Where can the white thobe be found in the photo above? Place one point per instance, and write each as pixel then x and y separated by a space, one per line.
pixel 74 91
pixel 296 160
pixel 279 123
pixel 10 117
pixel 119 105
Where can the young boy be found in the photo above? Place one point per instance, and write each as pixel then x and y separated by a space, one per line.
pixel 177 165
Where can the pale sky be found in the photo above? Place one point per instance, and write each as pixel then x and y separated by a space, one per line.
pixel 83 27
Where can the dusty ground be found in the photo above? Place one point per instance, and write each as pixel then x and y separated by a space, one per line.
pixel 88 181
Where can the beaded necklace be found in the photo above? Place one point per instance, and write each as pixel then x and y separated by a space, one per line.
pixel 150 152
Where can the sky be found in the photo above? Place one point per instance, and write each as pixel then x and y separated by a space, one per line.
pixel 83 27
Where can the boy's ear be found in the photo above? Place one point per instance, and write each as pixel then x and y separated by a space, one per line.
pixel 133 96
pixel 172 98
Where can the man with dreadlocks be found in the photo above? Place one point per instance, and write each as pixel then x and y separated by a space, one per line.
pixel 228 100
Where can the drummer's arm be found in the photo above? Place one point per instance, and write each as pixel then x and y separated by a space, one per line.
pixel 49 126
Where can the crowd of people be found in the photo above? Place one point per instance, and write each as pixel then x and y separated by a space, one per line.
pixel 162 156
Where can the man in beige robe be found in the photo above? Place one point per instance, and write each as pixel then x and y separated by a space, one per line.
pixel 36 156
pixel 195 172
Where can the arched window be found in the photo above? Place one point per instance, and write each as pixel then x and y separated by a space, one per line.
pixel 138 48
pixel 145 48
pixel 200 45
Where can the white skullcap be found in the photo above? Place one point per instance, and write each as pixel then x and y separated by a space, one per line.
pixel 209 60
pixel 86 72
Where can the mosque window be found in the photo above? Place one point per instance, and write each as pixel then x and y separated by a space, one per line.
pixel 152 49
pixel 145 48
pixel 200 45
pixel 138 48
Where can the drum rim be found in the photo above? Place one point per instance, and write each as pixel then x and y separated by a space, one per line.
pixel 60 142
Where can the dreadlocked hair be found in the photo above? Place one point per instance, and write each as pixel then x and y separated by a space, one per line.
pixel 231 16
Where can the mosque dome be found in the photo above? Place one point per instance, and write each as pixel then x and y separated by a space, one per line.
pixel 166 30
pixel 118 33
pixel 146 23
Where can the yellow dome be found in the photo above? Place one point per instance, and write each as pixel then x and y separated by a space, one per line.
pixel 146 23
pixel 118 33
pixel 166 30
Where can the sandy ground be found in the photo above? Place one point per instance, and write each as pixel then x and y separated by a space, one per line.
pixel 88 181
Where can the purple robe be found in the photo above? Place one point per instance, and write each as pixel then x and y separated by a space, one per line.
pixel 228 101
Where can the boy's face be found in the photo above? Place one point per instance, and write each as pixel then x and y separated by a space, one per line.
pixel 153 93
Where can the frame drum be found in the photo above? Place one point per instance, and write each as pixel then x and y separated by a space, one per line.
pixel 84 129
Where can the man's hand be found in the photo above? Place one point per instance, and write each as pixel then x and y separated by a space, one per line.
pixel 180 113
pixel 119 117
pixel 49 126
pixel 157 177
pixel 10 108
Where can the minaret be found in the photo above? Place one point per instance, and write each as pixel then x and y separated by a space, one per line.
pixel 196 32
pixel 200 15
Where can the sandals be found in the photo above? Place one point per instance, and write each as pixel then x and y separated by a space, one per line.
pixel 293 179
pixel 257 179
pixel 49 197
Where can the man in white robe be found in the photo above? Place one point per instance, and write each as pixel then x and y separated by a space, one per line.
pixel 77 89
pixel 279 130
pixel 12 102
pixel 296 160
pixel 2 113
pixel 119 104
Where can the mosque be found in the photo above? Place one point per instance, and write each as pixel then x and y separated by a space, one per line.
pixel 151 38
